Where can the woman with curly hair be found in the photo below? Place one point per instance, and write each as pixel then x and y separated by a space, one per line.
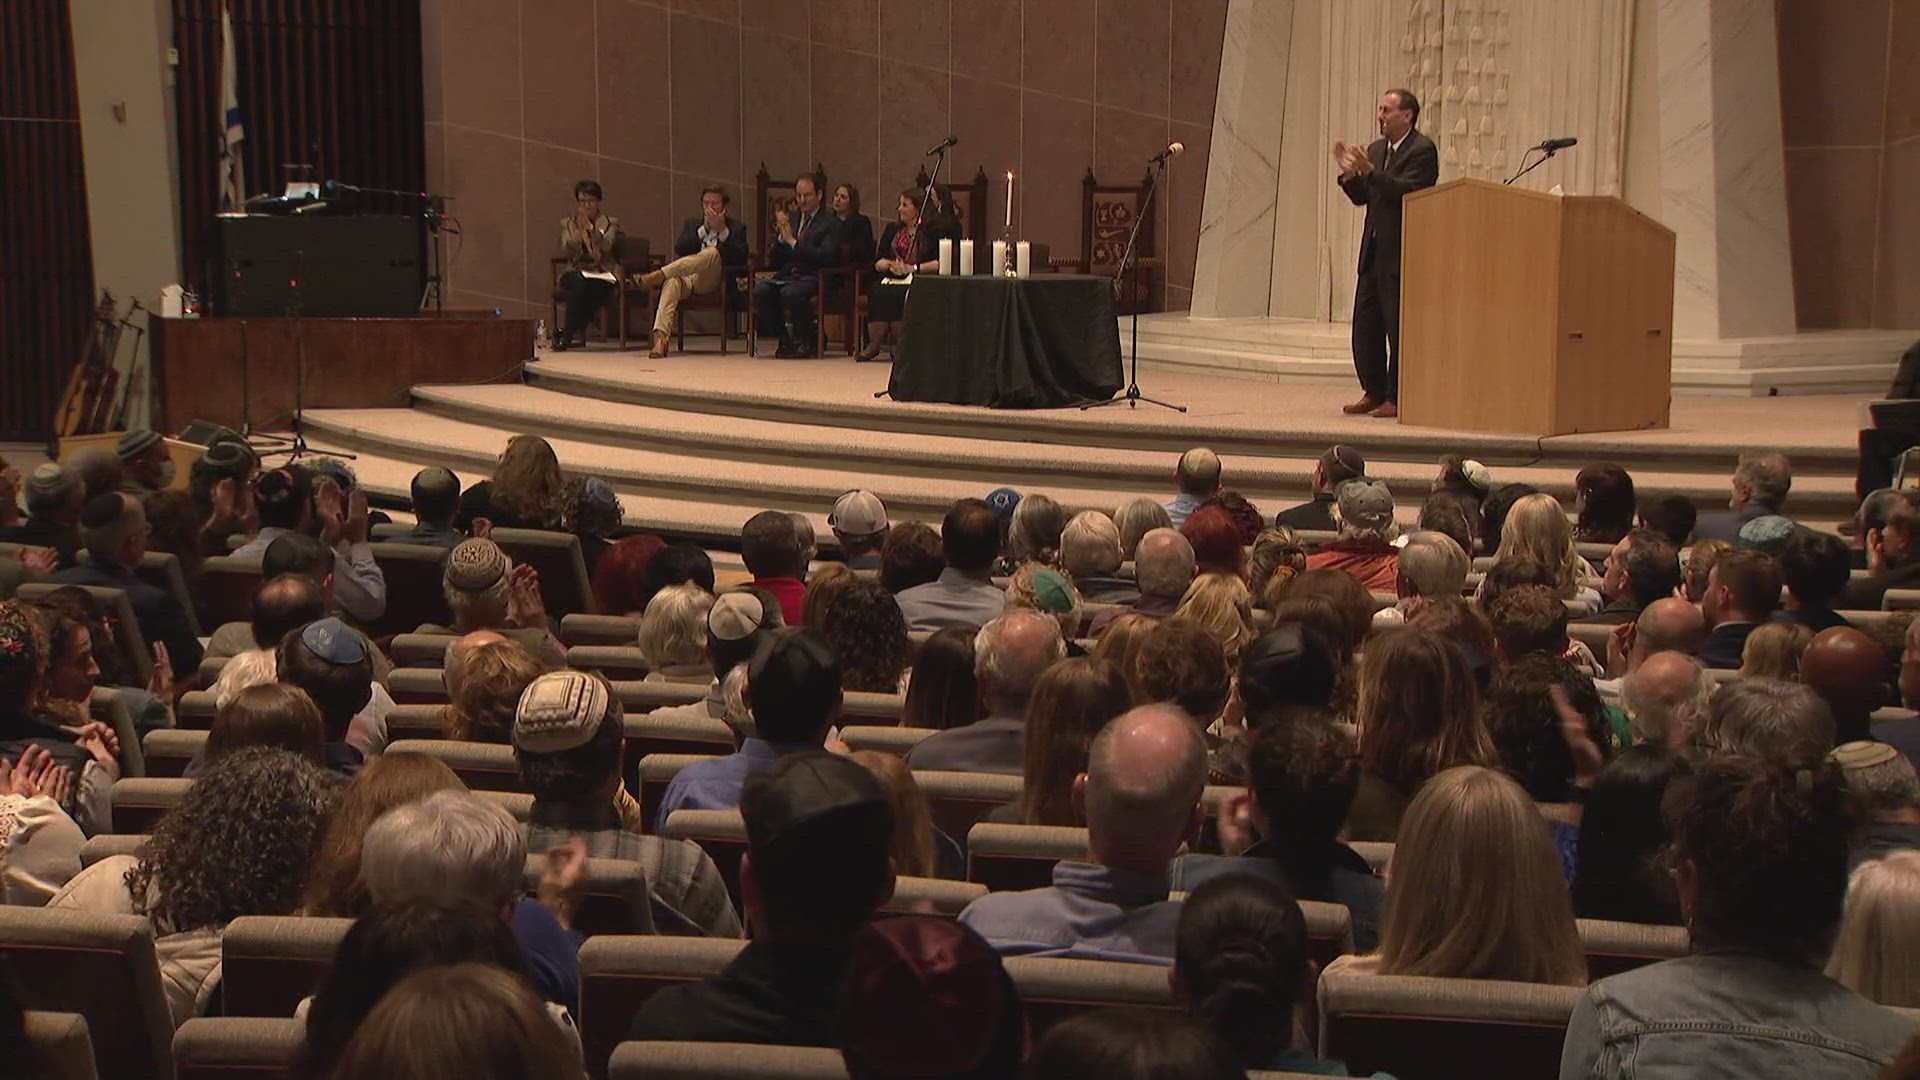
pixel 239 843
pixel 484 684
pixel 34 716
pixel 868 635
pixel 528 490
pixel 593 515
pixel 823 585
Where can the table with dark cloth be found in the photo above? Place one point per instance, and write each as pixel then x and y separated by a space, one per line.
pixel 1011 343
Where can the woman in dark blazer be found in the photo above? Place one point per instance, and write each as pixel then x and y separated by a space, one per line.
pixel 909 246
pixel 856 228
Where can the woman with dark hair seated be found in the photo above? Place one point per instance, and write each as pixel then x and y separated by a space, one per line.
pixel 589 242
pixel 942 691
pixel 1623 830
pixel 1603 504
pixel 1759 859
pixel 1133 1044
pixel 908 246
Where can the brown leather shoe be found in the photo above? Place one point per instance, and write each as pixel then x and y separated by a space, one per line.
pixel 1387 410
pixel 652 279
pixel 659 345
pixel 1366 404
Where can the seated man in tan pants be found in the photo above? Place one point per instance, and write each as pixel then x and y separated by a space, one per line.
pixel 707 246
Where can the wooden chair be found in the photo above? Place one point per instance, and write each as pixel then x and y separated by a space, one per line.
pixel 102 967
pixel 839 285
pixel 634 258
pixel 1443 1029
pixel 237 1048
pixel 969 204
pixel 1107 216
pixel 269 962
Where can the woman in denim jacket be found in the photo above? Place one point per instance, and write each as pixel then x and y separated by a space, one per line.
pixel 1759 858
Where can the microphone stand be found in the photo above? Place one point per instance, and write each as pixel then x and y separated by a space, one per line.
pixel 926 199
pixel 297 447
pixel 1133 397
pixel 1529 168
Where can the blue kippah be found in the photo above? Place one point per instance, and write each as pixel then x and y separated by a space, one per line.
pixel 334 641
pixel 1003 500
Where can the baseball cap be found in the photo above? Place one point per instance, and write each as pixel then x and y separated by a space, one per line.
pixel 795 667
pixel 561 710
pixel 858 513
pixel 1341 463
pixel 925 997
pixel 1366 504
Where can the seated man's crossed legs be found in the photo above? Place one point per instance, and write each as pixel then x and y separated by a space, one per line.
pixel 699 274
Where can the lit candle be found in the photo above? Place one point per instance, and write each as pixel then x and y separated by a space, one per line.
pixel 1009 198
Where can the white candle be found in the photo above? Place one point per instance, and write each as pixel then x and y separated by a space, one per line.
pixel 1023 259
pixel 999 258
pixel 966 257
pixel 946 257
pixel 1009 198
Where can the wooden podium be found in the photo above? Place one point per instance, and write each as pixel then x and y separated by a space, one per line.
pixel 1526 313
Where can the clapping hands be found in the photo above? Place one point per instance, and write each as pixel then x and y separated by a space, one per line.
pixel 34 774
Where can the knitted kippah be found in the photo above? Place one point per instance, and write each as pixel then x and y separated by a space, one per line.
pixel 52 480
pixel 476 566
pixel 1052 591
pixel 229 456
pixel 1862 755
pixel 334 641
pixel 559 711
pixel 135 441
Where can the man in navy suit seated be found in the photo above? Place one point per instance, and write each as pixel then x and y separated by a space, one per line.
pixel 807 240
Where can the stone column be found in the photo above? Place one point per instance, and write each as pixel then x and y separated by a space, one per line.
pixel 1232 269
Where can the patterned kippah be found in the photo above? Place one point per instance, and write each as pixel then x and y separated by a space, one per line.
pixel 334 641
pixel 477 566
pixel 559 711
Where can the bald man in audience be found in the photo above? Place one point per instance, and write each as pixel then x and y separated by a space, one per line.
pixel 1668 625
pixel 1009 656
pixel 281 603
pixel 1141 798
pixel 1666 700
pixel 462 647
pixel 1163 567
pixel 1849 671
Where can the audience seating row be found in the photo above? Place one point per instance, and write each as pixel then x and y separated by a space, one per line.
pixel 139 802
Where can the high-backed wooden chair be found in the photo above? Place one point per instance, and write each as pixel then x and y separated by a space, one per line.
pixel 635 257
pixel 102 967
pixel 969 204
pixel 1443 1029
pixel 1107 216
pixel 839 285
pixel 237 1048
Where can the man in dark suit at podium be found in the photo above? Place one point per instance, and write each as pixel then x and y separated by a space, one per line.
pixel 1399 161
pixel 806 241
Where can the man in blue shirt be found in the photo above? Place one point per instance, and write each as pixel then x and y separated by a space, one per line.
pixel 1198 475
pixel 964 594
pixel 793 691
pixel 1141 797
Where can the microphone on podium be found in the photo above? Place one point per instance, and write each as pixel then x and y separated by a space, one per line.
pixel 1560 143
pixel 1173 150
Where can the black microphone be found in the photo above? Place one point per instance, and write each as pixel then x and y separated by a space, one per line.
pixel 951 140
pixel 333 188
pixel 1173 149
pixel 1560 143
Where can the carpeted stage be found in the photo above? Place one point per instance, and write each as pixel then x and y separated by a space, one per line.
pixel 695 444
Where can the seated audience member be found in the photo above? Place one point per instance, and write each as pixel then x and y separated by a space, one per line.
pixel 1465 477
pixel 287 502
pixel 473 1020
pixel 145 463
pixel 1454 515
pixel 1364 549
pixel 1848 670
pixel 771 548
pixel 115 530
pixel 1033 532
pixel 221 483
pixel 280 603
pixel 1672 516
pixel 1475 890
pixel 1419 715
pixel 1290 676
pixel 1141 797
pixel 1336 466
pixel 963 594
pixel 334 886
pixel 1887 794
pixel 100 469
pixel 1642 567
pixel 1034 587
pixel 1743 591
pixel 824 584
pixel 1349 603
pixel 1760 486
pixel 567 741
pixel 1286 827
pixel 736 624
pixel 819 830
pixel 1760 858
pixel 455 843
pixel 593 515
pixel 1135 518
pixel 1773 651
pixel 273 715
pixel 1198 478
pixel 1010 655
pixel 1602 504
pixel 673 635
pixel 925 998
pixel 55 496
pixel 619 582
pixel 1669 625
pixel 1072 701
pixel 436 502
pixel 673 565
pixel 910 555
pixel 1870 517
pixel 238 843
pixel 1133 1044
pixel 486 591
pixel 485 676
pixel 1180 663
pixel 1217 547
pixel 333 663
pixel 1875 953
pixel 1622 834
pixel 859 524
pixel 1090 554
pixel 1769 533
pixel 1458 620
pixel 1431 564
pixel 1241 963
pixel 382 948
pixel 1220 603
pixel 942 690
pixel 1509 574
pixel 1536 528
pixel 39 844
pixel 1163 568
pixel 793 690
pixel 867 633
pixel 1276 557
pixel 1494 508
pixel 32 716
pixel 1699 567
pixel 1815 568
pixel 1525 726
pixel 919 849
pixel 1245 516
pixel 1769 719
pixel 1666 700
pixel 526 490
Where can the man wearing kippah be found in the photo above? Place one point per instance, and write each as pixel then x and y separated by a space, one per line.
pixel 143 454
pixel 736 624
pixel 1335 467
pixel 115 530
pixel 1198 476
pixel 55 494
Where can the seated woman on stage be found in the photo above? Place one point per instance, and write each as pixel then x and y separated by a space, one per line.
pixel 856 228
pixel 908 246
pixel 588 239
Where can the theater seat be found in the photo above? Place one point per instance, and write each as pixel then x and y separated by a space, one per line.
pixel 107 845
pixel 60 1045
pixel 864 708
pixel 957 800
pixel 1007 858
pixel 1614 947
pixel 269 962
pixel 417 686
pixel 701 735
pixel 613 896
pixel 1378 853
pixel 237 1048
pixel 195 710
pixel 420 650
pixel 139 802
pixel 581 628
pixel 1443 1029
pixel 102 967
pixel 655 773
pixel 733 1061
pixel 168 751
pixel 644 697
pixel 722 834
pixel 887 740
pixel 517 803
pixel 931 896
pixel 482 766
pixel 416 722
pixel 618 973
pixel 619 663
pixel 556 556
pixel 1055 988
